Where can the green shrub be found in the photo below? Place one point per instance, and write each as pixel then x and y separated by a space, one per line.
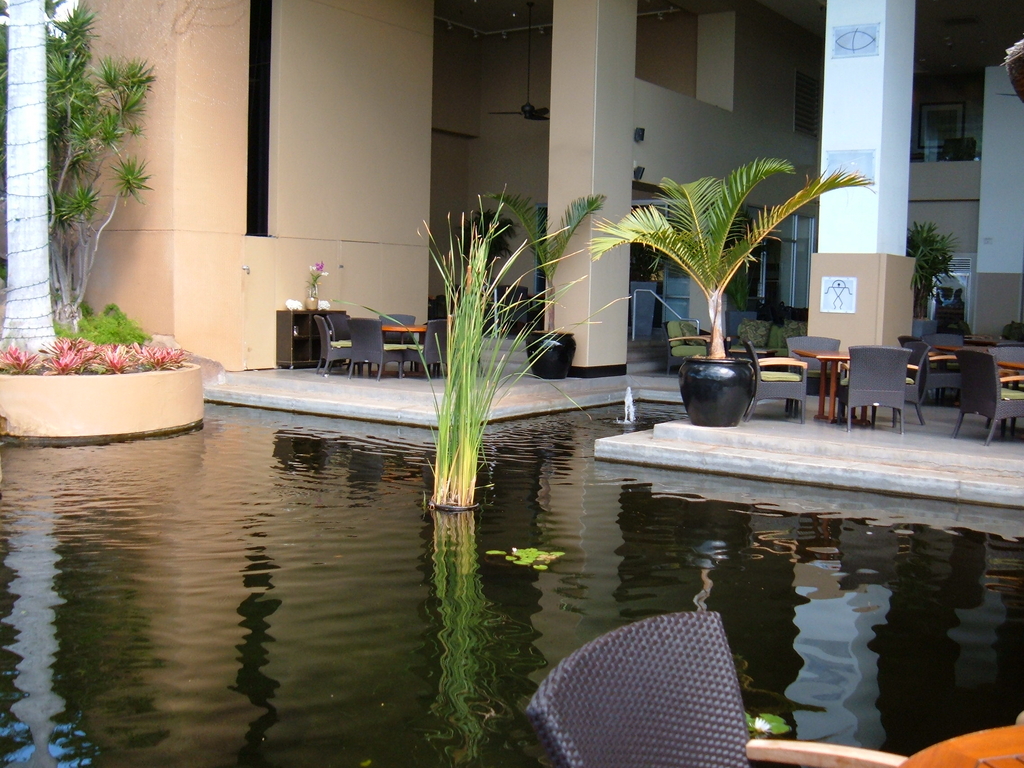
pixel 112 326
pixel 1014 331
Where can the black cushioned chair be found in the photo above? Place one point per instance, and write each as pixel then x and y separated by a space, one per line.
pixel 812 344
pixel 663 693
pixel 368 346
pixel 330 349
pixel 984 393
pixel 434 350
pixel 918 371
pixel 397 338
pixel 943 339
pixel 789 384
pixel 684 340
pixel 877 377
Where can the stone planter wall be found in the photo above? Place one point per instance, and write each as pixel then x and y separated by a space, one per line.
pixel 102 407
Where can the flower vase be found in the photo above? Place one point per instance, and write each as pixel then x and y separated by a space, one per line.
pixel 312 301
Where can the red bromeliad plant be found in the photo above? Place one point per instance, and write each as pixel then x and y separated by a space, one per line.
pixel 69 361
pixel 17 361
pixel 68 357
pixel 117 358
pixel 162 358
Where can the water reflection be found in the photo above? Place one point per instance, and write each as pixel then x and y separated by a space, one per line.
pixel 254 654
pixel 32 557
pixel 484 652
pixel 269 593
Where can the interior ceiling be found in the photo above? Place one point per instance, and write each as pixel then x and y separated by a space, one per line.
pixel 952 35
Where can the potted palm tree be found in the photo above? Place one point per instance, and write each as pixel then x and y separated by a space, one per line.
pixel 933 255
pixel 551 351
pixel 701 231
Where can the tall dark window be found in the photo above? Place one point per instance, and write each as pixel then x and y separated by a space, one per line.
pixel 258 181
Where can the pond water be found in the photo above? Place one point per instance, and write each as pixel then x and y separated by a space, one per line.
pixel 270 592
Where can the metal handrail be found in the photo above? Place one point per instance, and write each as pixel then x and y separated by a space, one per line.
pixel 666 306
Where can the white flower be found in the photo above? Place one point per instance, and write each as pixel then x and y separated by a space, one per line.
pixel 323 304
pixel 293 305
pixel 761 725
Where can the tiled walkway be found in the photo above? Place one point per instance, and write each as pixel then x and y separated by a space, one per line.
pixel 923 463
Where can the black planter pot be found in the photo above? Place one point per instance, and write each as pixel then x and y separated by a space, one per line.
pixel 716 393
pixel 551 354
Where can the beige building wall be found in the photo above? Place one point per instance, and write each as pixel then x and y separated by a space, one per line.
pixel 174 263
pixel 884 305
pixel 350 168
pixel 666 51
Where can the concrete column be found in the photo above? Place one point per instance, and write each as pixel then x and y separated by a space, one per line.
pixel 591 152
pixel 997 289
pixel 867 105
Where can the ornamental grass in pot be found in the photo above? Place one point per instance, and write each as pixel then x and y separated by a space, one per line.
pixel 551 351
pixel 701 228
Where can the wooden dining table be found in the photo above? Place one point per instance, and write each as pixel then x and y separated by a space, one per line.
pixel 828 384
pixel 993 748
pixel 419 331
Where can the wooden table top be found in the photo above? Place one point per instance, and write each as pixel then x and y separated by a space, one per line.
pixel 1011 365
pixel 389 328
pixel 994 748
pixel 823 355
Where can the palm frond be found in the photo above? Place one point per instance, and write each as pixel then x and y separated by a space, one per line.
pixel 574 215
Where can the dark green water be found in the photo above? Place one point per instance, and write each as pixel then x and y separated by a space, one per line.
pixel 270 592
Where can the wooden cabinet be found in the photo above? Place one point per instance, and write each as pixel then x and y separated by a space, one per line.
pixel 298 339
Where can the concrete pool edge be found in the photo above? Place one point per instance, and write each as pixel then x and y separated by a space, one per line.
pixel 850 474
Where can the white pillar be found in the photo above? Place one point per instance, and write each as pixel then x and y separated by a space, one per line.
pixel 997 287
pixel 869 78
pixel 593 63
pixel 865 127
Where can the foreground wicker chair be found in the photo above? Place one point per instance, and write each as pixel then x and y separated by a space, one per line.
pixel 984 393
pixel 660 693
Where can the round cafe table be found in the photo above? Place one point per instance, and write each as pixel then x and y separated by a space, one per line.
pixel 994 748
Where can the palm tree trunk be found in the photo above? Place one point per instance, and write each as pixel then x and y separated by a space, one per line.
pixel 28 321
pixel 715 309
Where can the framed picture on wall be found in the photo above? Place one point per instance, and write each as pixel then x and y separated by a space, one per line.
pixel 939 122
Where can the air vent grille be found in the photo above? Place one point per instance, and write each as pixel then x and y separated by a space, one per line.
pixel 807 104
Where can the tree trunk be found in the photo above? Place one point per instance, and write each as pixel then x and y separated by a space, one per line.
pixel 715 301
pixel 29 318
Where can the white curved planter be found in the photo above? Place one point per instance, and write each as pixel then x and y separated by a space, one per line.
pixel 102 407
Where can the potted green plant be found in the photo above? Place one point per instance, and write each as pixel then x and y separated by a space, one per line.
pixel 700 230
pixel 551 352
pixel 933 255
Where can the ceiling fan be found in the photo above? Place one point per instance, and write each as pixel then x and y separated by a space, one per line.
pixel 529 111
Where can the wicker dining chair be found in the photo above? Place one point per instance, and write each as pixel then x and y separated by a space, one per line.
pixel 391 337
pixel 659 693
pixel 368 346
pixel 817 344
pixel 943 339
pixel 984 393
pixel 877 377
pixel 433 353
pixel 917 375
pixel 1008 354
pixel 789 384
pixel 330 350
